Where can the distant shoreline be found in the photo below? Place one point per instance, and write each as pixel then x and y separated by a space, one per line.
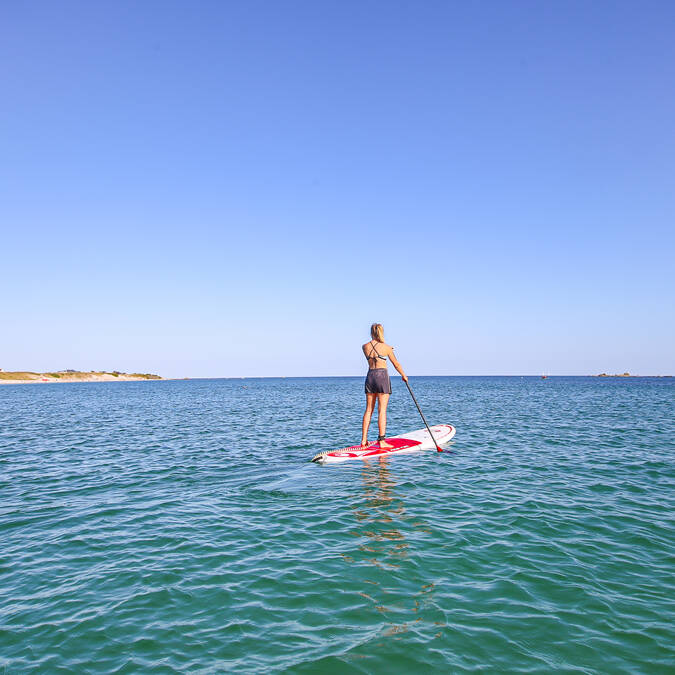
pixel 27 377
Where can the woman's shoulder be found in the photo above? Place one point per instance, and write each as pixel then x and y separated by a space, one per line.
pixel 378 345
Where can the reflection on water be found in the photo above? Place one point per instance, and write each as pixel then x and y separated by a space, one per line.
pixel 379 516
pixel 381 520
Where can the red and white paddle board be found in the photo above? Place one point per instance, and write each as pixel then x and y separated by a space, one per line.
pixel 405 443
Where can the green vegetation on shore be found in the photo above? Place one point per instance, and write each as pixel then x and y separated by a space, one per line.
pixel 18 375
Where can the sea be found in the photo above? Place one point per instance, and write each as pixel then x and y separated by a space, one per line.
pixel 179 526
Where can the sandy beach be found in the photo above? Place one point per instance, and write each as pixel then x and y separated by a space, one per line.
pixel 26 377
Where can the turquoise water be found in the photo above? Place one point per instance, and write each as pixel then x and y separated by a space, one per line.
pixel 177 526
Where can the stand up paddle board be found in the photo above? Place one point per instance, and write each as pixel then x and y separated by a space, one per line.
pixel 410 442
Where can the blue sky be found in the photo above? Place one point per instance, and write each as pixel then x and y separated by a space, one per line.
pixel 241 188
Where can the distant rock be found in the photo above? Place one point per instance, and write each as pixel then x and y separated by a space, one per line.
pixel 628 375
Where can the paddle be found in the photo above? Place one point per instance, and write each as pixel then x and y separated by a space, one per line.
pixel 422 414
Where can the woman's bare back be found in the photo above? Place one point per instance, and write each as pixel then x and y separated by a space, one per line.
pixel 377 353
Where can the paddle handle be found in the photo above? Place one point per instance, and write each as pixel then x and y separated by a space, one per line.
pixel 424 419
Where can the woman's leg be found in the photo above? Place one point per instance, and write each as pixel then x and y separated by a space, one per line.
pixel 382 402
pixel 370 406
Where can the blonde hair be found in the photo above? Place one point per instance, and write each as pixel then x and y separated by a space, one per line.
pixel 377 332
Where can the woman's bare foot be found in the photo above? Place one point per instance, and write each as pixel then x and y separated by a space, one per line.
pixel 365 443
pixel 385 445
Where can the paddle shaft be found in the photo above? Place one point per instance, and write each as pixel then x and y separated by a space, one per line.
pixel 424 419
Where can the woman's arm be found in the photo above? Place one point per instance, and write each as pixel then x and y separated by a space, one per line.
pixel 397 365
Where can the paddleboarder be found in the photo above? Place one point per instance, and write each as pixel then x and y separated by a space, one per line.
pixel 378 384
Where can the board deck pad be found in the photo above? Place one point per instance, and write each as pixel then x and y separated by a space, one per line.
pixel 413 441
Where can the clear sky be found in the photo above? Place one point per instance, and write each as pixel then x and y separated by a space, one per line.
pixel 242 188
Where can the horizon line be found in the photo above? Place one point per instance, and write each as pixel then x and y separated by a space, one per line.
pixel 281 377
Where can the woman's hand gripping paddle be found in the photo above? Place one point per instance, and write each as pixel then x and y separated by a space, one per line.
pixel 422 414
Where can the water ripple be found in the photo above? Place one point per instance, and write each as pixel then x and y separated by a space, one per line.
pixel 178 526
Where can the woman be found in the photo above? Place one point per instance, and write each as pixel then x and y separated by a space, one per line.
pixel 378 384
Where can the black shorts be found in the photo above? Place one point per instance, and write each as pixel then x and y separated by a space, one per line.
pixel 378 382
